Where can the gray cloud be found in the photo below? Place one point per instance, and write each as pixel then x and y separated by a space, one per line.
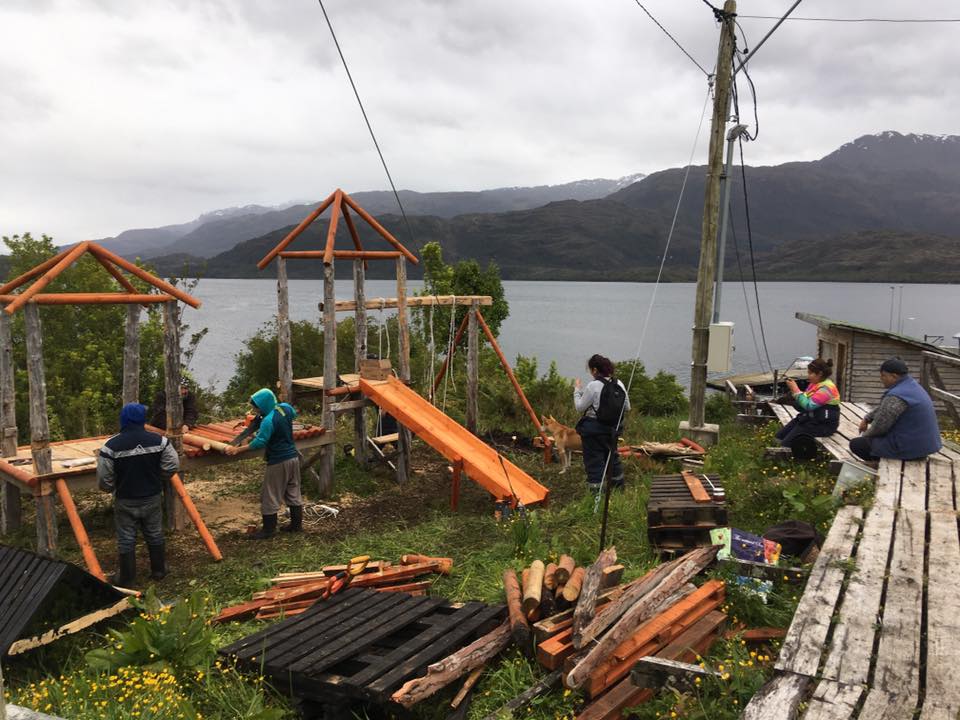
pixel 117 114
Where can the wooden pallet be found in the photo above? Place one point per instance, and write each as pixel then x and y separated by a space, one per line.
pixel 361 644
pixel 680 516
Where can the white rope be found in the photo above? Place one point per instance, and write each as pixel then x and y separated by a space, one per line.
pixel 653 296
pixel 380 331
pixel 433 357
pixel 450 337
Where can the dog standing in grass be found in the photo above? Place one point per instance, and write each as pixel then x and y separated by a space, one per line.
pixel 565 439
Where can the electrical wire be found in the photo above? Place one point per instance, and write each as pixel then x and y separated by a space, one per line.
pixel 765 37
pixel 746 300
pixel 675 41
pixel 857 20
pixel 366 119
pixel 735 90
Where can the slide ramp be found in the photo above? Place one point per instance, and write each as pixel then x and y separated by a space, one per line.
pixel 484 465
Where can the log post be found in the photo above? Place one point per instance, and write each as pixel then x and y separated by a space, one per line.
pixel 571 589
pixel 171 377
pixel 473 366
pixel 10 506
pixel 131 356
pixel 519 627
pixel 40 432
pixel 403 330
pixel 532 588
pixel 587 602
pixel 284 343
pixel 565 567
pixel 359 353
pixel 327 460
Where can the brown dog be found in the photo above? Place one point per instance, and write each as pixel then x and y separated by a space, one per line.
pixel 566 439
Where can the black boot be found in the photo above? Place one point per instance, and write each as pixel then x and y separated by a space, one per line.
pixel 126 574
pixel 268 530
pixel 158 562
pixel 296 519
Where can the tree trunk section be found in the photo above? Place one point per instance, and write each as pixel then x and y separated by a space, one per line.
pixel 565 567
pixel 359 353
pixel 176 515
pixel 571 591
pixel 473 367
pixel 284 341
pixel 10 505
pixel 587 602
pixel 532 588
pixel 40 432
pixel 131 356
pixel 327 460
pixel 403 330
pixel 519 627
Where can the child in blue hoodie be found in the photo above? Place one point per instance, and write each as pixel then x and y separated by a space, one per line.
pixel 281 479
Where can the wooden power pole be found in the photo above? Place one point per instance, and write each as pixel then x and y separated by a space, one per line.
pixel 708 240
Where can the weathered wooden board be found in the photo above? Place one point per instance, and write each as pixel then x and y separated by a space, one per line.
pixel 888 483
pixel 943 615
pixel 940 480
pixel 779 699
pixel 833 701
pixel 805 640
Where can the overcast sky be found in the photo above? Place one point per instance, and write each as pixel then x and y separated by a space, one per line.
pixel 117 114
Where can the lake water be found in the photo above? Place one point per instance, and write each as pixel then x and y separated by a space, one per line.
pixel 566 322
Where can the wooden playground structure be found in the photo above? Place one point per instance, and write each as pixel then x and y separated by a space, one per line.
pixel 356 393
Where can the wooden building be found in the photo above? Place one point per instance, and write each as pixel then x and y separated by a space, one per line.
pixel 858 351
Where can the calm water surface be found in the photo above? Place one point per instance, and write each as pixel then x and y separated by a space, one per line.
pixel 566 322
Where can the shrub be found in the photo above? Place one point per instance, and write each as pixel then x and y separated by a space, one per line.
pixel 719 408
pixel 660 395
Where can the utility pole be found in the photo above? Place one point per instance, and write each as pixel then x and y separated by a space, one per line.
pixel 708 238
pixel 735 132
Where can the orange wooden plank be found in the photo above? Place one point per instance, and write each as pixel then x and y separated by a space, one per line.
pixel 696 488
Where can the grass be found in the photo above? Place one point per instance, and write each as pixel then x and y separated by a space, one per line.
pixel 385 521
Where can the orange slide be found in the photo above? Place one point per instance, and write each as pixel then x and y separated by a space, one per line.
pixel 484 465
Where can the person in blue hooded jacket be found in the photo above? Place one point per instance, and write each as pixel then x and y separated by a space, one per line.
pixel 281 479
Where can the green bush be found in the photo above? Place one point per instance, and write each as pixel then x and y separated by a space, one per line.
pixel 658 396
pixel 719 408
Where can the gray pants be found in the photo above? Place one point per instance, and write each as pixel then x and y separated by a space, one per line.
pixel 281 484
pixel 145 514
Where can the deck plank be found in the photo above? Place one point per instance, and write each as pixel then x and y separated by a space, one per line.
pixel 779 699
pixel 940 477
pixel 888 483
pixel 943 617
pixel 833 701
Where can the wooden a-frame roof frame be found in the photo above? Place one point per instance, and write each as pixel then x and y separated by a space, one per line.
pixel 47 271
pixel 341 204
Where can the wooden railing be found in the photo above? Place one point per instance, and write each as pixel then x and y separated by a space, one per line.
pixel 933 383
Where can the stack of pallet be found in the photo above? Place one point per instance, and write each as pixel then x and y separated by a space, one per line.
pixel 682 510
pixel 594 645
pixel 292 593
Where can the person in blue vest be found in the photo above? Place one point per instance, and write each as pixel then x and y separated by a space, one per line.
pixel 904 425
pixel 133 465
pixel 281 479
pixel 603 403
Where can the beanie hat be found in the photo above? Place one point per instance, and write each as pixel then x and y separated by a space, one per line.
pixel 895 366
pixel 133 414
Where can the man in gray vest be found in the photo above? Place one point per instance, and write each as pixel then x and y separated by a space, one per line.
pixel 904 425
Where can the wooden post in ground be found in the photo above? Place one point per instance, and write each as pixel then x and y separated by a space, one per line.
pixel 131 356
pixel 708 238
pixel 10 506
pixel 327 460
pixel 176 515
pixel 403 330
pixel 40 432
pixel 284 343
pixel 359 352
pixel 473 366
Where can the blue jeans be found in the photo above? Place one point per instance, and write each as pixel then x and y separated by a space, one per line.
pixel 145 514
pixel 599 442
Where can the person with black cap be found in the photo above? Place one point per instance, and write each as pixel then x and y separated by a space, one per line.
pixel 133 465
pixel 904 425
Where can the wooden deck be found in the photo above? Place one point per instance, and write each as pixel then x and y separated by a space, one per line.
pixel 876 635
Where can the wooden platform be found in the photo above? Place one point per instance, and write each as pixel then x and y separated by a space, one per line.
pixel 754 380
pixel 361 644
pixel 877 633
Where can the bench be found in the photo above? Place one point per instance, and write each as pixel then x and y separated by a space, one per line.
pixel 876 634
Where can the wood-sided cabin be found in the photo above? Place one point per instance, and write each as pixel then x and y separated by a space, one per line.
pixel 858 351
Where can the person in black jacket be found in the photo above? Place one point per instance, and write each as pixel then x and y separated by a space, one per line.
pixel 133 465
pixel 158 411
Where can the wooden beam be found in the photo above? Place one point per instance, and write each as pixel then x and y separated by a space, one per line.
pixel 174 432
pixel 295 233
pixel 382 231
pixel 367 254
pixel 473 369
pixel 79 531
pixel 10 504
pixel 161 285
pixel 117 275
pixel 403 331
pixel 32 273
pixel 332 227
pixel 414 301
pixel 195 518
pixel 90 299
pixel 354 235
pixel 66 261
pixel 327 460
pixel 131 356
pixel 46 518
pixel 284 341
pixel 359 341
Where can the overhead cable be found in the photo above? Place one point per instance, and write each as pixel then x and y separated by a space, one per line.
pixel 675 42
pixel 764 38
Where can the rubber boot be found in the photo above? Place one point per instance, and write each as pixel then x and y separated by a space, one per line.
pixel 268 530
pixel 158 562
pixel 126 574
pixel 296 519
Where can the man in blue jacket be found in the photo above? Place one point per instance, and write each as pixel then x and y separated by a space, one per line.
pixel 133 465
pixel 904 425
pixel 281 479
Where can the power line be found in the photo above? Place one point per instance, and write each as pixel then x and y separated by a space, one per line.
pixel 769 33
pixel 746 301
pixel 856 20
pixel 675 42
pixel 369 126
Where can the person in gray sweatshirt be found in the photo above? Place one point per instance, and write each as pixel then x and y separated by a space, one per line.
pixel 603 403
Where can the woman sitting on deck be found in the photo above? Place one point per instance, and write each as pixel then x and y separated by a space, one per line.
pixel 819 406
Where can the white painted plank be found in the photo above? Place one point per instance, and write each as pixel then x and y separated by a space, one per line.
pixel 778 699
pixel 833 701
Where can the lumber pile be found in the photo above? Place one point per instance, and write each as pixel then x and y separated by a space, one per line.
pixel 292 593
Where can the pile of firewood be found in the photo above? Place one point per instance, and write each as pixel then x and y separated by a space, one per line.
pixel 593 645
pixel 292 593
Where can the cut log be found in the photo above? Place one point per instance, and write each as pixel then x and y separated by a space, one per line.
pixel 571 591
pixel 519 627
pixel 550 576
pixel 442 673
pixel 550 626
pixel 532 588
pixel 445 565
pixel 611 576
pixel 642 610
pixel 565 566
pixel 587 601
pixel 548 603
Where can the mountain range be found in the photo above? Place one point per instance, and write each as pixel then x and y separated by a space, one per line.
pixel 884 207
